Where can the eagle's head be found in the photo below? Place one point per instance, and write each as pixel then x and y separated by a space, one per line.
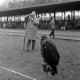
pixel 43 37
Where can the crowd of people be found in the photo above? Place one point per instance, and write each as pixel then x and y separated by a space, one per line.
pixel 59 24
pixel 73 24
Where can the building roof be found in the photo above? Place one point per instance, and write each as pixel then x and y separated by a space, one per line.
pixel 41 5
pixel 50 7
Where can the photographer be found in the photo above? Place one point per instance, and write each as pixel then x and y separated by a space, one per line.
pixel 31 28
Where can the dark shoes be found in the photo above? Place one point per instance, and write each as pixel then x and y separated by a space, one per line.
pixel 27 50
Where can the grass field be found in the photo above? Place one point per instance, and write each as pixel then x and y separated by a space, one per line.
pixel 30 64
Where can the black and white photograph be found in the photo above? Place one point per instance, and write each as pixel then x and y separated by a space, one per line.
pixel 39 39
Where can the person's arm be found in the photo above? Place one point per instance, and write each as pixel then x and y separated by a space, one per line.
pixel 36 21
pixel 52 22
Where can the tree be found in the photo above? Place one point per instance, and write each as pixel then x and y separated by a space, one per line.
pixel 25 3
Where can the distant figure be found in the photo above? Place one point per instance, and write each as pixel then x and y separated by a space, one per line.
pixel 50 55
pixel 52 23
pixel 4 25
pixel 62 28
pixel 31 28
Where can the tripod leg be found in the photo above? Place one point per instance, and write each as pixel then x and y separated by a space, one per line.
pixel 51 77
pixel 24 44
pixel 47 76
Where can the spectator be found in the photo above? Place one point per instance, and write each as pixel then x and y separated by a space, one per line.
pixel 31 29
pixel 52 24
pixel 4 25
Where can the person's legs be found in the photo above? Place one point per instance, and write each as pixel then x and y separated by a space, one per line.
pixel 28 44
pixel 33 44
pixel 52 33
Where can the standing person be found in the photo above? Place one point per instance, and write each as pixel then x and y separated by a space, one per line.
pixel 31 29
pixel 52 24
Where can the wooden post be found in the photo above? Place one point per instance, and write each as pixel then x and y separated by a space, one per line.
pixel 54 16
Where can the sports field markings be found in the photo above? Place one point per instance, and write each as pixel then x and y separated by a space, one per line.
pixel 26 76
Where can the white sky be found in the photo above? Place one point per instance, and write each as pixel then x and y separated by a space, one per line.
pixel 2 1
